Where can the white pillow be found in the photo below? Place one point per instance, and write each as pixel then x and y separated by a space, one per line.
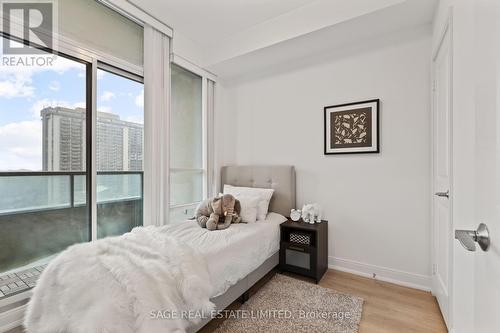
pixel 264 195
pixel 248 208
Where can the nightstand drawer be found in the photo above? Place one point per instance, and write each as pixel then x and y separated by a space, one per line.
pixel 296 258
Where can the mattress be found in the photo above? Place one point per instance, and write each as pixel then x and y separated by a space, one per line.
pixel 233 253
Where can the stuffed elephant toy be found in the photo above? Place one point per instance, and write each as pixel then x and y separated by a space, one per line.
pixel 218 213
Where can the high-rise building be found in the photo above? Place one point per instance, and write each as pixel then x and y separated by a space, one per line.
pixel 119 142
pixel 63 139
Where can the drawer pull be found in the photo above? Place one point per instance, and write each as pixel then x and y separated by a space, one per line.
pixel 295 248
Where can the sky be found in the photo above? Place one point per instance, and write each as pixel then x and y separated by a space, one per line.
pixel 24 91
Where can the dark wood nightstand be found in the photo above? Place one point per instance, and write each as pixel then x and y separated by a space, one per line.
pixel 304 248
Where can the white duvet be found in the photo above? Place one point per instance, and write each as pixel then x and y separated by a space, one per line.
pixel 115 284
pixel 233 253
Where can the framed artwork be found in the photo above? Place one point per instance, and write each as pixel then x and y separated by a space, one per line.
pixel 352 128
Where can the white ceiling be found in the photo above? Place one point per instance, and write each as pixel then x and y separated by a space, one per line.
pixel 205 20
pixel 231 37
pixel 398 24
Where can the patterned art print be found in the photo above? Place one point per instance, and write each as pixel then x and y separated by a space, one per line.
pixel 352 128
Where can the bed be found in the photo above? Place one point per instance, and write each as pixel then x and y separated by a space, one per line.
pixel 128 283
pixel 260 240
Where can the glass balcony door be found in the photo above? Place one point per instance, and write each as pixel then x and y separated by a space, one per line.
pixel 119 152
pixel 47 140
pixel 44 203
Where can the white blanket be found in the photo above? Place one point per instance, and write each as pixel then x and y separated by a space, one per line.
pixel 232 253
pixel 117 285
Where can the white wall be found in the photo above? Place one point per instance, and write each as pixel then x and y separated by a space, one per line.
pixel 377 204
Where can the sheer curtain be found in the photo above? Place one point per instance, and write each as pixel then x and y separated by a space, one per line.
pixel 156 125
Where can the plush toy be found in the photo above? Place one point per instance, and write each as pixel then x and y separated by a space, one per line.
pixel 218 213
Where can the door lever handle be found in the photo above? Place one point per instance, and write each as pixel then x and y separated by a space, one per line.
pixel 443 194
pixel 469 238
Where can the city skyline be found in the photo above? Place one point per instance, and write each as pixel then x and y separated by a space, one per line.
pixel 25 91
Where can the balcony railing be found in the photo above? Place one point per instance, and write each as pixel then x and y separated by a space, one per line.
pixel 42 213
pixel 36 191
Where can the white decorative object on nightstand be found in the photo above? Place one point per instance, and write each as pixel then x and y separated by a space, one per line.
pixel 311 213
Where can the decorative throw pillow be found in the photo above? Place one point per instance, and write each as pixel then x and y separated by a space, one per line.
pixel 264 195
pixel 248 208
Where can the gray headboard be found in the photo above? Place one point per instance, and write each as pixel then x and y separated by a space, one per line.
pixel 281 178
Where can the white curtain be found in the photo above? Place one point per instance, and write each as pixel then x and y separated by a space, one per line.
pixel 211 177
pixel 156 126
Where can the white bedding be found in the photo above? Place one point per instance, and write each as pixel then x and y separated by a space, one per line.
pixel 115 285
pixel 233 253
pixel 127 278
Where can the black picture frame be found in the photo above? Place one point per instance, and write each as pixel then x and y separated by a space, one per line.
pixel 355 148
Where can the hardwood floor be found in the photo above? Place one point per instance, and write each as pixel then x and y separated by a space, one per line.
pixel 387 308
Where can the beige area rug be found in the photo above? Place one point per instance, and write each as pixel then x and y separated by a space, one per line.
pixel 286 304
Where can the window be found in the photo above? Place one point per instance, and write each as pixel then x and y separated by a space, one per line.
pixel 43 160
pixel 119 152
pixel 54 146
pixel 187 167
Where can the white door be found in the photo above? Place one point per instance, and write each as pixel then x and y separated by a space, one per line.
pixel 487 109
pixel 476 301
pixel 442 227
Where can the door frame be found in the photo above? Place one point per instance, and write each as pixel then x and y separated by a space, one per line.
pixel 446 31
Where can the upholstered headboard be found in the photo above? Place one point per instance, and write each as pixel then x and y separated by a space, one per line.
pixel 281 178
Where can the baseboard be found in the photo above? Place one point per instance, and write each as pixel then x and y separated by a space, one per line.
pixel 12 318
pixel 411 280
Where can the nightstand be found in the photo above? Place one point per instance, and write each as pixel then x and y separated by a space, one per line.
pixel 304 248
